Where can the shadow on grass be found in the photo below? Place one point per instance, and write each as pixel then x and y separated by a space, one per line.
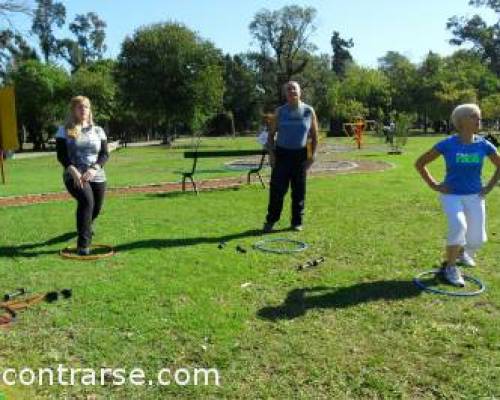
pixel 299 301
pixel 189 190
pixel 166 243
pixel 23 250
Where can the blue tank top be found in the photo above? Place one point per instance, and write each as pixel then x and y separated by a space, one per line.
pixel 293 126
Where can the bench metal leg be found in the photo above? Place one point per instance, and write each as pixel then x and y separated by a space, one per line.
pixel 193 183
pixel 256 172
pixel 261 180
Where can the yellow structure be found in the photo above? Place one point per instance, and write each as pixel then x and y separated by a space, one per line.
pixel 8 124
pixel 8 120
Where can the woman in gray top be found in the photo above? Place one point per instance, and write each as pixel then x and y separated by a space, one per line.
pixel 82 150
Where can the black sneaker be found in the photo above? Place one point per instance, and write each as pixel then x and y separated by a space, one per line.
pixel 83 251
pixel 298 228
pixel 268 227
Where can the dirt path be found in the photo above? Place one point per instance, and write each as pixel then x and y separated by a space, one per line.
pixel 210 184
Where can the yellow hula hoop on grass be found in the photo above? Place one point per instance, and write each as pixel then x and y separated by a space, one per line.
pixel 70 253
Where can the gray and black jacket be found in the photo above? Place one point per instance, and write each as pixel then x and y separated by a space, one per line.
pixel 87 150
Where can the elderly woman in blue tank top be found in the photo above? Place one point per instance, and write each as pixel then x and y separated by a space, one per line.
pixel 82 150
pixel 293 124
pixel 462 192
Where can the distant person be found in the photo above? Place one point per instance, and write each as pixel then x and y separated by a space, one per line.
pixel 82 150
pixel 462 192
pixel 293 124
pixel 390 132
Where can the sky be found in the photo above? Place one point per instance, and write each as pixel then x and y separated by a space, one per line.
pixel 411 27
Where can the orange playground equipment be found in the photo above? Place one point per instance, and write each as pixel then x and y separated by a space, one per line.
pixel 356 129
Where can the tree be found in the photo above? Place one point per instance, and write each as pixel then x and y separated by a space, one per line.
pixel 403 78
pixel 485 39
pixel 363 92
pixel 8 7
pixel 89 46
pixel 13 46
pixel 283 36
pixel 316 80
pixel 341 56
pixel 493 4
pixel 13 49
pixel 368 86
pixel 241 96
pixel 402 125
pixel 264 68
pixel 444 82
pixel 170 76
pixel 96 81
pixel 490 106
pixel 47 15
pixel 42 96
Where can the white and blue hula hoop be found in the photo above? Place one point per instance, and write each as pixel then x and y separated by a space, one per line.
pixel 299 246
pixel 418 282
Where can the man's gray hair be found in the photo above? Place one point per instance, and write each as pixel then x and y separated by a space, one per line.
pixel 464 111
pixel 285 86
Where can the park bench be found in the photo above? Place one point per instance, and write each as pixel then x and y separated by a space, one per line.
pixel 195 155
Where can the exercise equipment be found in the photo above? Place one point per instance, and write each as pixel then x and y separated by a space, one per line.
pixel 356 129
pixel 436 273
pixel 14 294
pixel 7 317
pixel 240 249
pixel 70 253
pixel 12 307
pixel 311 263
pixel 266 245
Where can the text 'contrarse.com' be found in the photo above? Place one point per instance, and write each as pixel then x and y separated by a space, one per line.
pixel 67 376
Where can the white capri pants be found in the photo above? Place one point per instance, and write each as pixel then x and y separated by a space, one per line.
pixel 466 220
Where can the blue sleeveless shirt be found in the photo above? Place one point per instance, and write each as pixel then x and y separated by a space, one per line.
pixel 293 126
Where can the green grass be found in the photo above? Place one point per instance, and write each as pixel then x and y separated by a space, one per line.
pixel 353 328
pixel 127 166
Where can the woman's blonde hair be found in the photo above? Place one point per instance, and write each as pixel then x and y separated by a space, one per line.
pixel 463 111
pixel 71 122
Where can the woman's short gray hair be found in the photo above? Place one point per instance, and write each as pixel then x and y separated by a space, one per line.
pixel 464 111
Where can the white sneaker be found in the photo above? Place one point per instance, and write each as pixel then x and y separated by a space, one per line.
pixel 453 275
pixel 466 260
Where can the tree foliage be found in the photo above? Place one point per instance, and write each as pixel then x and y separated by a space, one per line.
pixel 367 87
pixel 42 92
pixel 89 45
pixel 341 56
pixel 241 96
pixel 13 49
pixel 284 37
pixel 169 75
pixel 484 38
pixel 96 81
pixel 48 14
